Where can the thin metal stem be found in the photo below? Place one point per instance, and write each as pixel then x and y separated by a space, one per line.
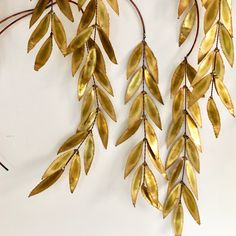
pixel 3 166
pixel 140 16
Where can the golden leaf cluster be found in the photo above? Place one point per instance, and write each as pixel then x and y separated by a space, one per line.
pixel 183 137
pixel 142 72
pixel 216 45
pixel 94 87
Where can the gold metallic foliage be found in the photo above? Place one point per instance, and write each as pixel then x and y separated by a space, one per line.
pixel 94 88
pixel 90 48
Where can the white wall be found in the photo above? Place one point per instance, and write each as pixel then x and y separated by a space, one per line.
pixel 39 110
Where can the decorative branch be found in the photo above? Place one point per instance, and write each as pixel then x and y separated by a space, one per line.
pixel 142 107
pixel 219 31
pixel 93 86
pixel 188 143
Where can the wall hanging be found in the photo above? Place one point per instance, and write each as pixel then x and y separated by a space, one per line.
pixel 89 47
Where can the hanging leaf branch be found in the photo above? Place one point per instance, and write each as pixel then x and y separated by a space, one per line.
pixel 183 158
pixel 94 89
pixel 142 72
pixel 210 76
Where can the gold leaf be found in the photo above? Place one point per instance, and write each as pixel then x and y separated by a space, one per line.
pixel 102 78
pixel 73 141
pixel 152 187
pixel 152 86
pixel 39 32
pixel 136 184
pixel 148 197
pixel 151 62
pixel 58 163
pixel 80 39
pixel 152 111
pixel 191 177
pixel 214 116
pixel 172 200
pixel 90 64
pixel 187 25
pixel 88 15
pixel 128 132
pixel 88 153
pixel 227 45
pixel 82 83
pixel 38 11
pixel 175 173
pixel 103 17
pixel 102 129
pixel 152 138
pixel 226 16
pixel 64 6
pixel 207 43
pixel 194 132
pixel 136 110
pixel 107 45
pixel 200 89
pixel 106 104
pixel 191 204
pixel 156 161
pixel 178 220
pixel 193 155
pixel 86 125
pixel 219 66
pixel 194 110
pixel 114 5
pixel 177 78
pixel 224 95
pixel 77 58
pixel 59 34
pixel 134 85
pixel 210 15
pixel 134 59
pixel 43 54
pixel 74 173
pixel 178 104
pixel 46 183
pixel 174 129
pixel 183 5
pixel 133 158
pixel 191 73
pixel 204 67
pixel 100 60
pixel 175 152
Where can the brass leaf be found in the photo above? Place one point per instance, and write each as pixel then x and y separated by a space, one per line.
pixel 224 95
pixel 152 111
pixel 102 129
pixel 151 62
pixel 191 177
pixel 88 153
pixel 178 104
pixel 183 5
pixel 191 204
pixel 136 184
pixel 59 163
pixel 103 17
pixel 38 11
pixel 59 34
pixel 210 15
pixel 134 85
pixel 171 200
pixel 193 155
pixel 133 158
pixel 107 45
pixel 43 54
pixel 226 16
pixel 46 183
pixel 73 141
pixel 39 32
pixel 64 6
pixel 177 78
pixel 114 5
pixel 106 104
pixel 175 152
pixel 214 116
pixel 74 173
pixel 77 58
pixel 134 59
pixel 178 220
